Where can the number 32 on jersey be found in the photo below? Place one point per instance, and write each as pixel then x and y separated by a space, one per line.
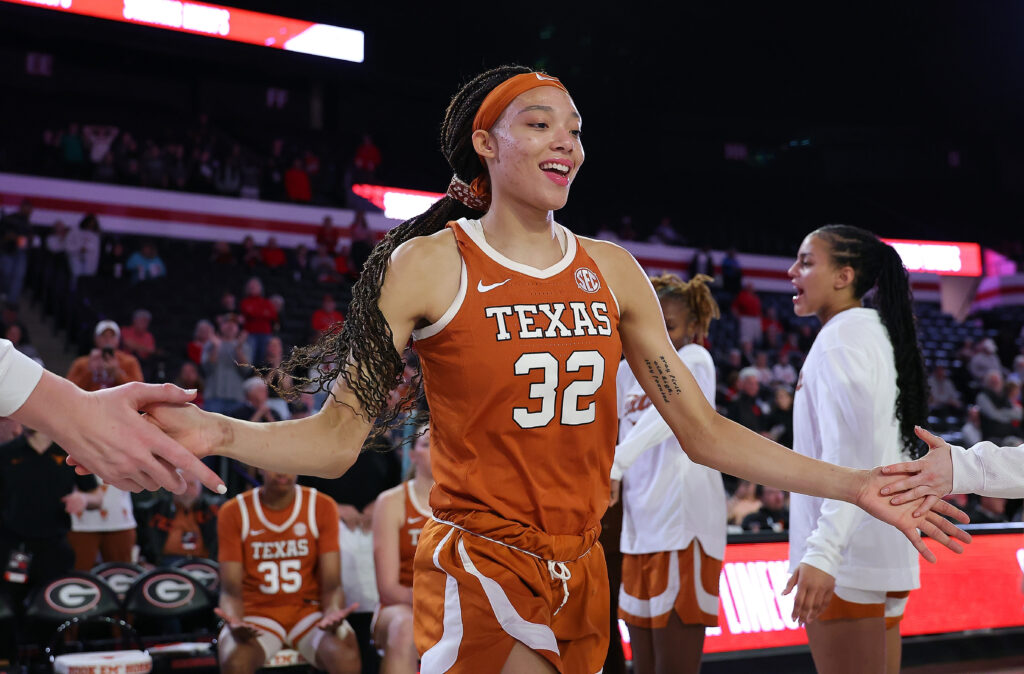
pixel 546 390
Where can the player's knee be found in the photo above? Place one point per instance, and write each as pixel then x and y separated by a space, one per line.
pixel 241 659
pixel 339 656
pixel 400 632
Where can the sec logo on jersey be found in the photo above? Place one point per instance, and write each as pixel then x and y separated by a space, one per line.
pixel 587 280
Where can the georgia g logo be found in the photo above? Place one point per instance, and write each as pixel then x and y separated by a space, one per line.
pixel 72 595
pixel 587 280
pixel 167 591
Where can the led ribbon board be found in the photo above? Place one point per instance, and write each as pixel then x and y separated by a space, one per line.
pixel 946 258
pixel 226 23
pixel 396 202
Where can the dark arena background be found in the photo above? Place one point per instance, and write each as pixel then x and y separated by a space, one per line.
pixel 156 155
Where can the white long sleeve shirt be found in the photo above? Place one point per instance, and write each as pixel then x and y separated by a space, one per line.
pixel 668 500
pixel 844 413
pixel 987 469
pixel 19 375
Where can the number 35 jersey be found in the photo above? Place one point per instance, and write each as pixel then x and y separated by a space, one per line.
pixel 519 375
pixel 279 549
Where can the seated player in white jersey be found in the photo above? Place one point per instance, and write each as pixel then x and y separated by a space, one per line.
pixel 398 519
pixel 280 573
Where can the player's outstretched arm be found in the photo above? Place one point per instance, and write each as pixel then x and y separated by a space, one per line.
pixel 712 440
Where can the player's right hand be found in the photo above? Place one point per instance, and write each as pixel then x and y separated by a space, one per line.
pixel 241 631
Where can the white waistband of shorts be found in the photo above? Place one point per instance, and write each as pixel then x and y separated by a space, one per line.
pixel 510 547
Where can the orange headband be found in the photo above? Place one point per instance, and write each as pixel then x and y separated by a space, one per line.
pixel 503 94
pixel 490 110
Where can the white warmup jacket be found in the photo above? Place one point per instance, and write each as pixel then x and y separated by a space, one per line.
pixel 988 470
pixel 844 413
pixel 19 375
pixel 668 500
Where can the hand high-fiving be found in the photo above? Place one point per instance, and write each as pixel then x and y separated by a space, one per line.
pixel 930 477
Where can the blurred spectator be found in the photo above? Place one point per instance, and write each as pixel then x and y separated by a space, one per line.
pixel 177 167
pixel 362 242
pixel 773 514
pixel 18 336
pixel 743 502
pixel 189 378
pixel 985 359
pixel 259 316
pixel 747 410
pixel 300 262
pixel 702 263
pixel 783 371
pixel 145 264
pixel 126 158
pixel 366 161
pixel 790 346
pixel 1018 367
pixel 747 354
pixel 747 308
pixel 731 366
pixel 780 420
pixel 57 239
pixel 277 300
pixel 322 265
pixel 227 177
pixel 153 168
pixel 273 255
pixel 136 338
pixel 72 149
pixel 971 430
pixel 15 240
pixel 179 526
pixel 250 252
pixel 226 361
pixel 296 183
pixel 328 235
pixel 326 316
pixel 764 370
pixel 806 337
pixel 106 533
pixel 988 510
pixel 221 254
pixel 227 309
pixel 256 405
pixel 106 365
pixel 105 171
pixel 999 417
pixel 279 383
pixel 113 260
pixel 200 336
pixel 667 234
pixel 732 274
pixel 770 322
pixel 943 398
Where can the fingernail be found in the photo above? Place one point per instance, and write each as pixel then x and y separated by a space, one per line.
pixel 885 490
pixel 221 489
pixel 190 391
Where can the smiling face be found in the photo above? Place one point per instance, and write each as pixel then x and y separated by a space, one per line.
pixel 533 151
pixel 822 289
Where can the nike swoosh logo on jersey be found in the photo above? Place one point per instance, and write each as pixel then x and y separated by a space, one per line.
pixel 482 288
pixel 256 532
pixel 413 520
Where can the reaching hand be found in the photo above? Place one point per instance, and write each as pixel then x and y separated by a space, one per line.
pixel 241 631
pixel 332 620
pixel 814 590
pixel 932 521
pixel 106 435
pixel 192 427
pixel 74 503
pixel 930 477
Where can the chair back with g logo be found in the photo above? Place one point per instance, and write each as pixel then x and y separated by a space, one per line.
pixel 165 593
pixel 72 595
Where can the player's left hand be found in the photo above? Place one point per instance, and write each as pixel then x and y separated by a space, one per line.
pixel 930 477
pixel 932 522
pixel 332 619
pixel 814 590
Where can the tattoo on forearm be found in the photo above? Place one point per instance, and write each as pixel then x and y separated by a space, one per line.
pixel 664 379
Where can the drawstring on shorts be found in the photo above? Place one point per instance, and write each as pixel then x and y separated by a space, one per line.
pixel 559 571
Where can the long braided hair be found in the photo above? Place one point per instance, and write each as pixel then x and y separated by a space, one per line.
pixel 696 297
pixel 877 266
pixel 362 353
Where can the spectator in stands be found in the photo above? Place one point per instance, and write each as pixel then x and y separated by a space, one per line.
pixel 668 234
pixel 153 168
pixel 999 417
pixel 971 430
pixel 742 502
pixel 200 336
pixel 221 254
pixel 177 167
pixel 326 316
pixel 366 161
pixel 362 242
pixel 747 409
pixel 984 360
pixel 732 273
pixel 39 492
pixel 281 584
pixel 225 360
pixel 114 259
pixel 1013 391
pixel 277 299
pixel 18 336
pixel 322 265
pixel 228 174
pixel 179 526
pixel 747 354
pixel 272 255
pixel 190 378
pixel 343 265
pixel 136 337
pixel 747 308
pixel 791 346
pixel 300 262
pixel 764 370
pixel 296 183
pixel 126 157
pixel 280 384
pixel 227 309
pixel 145 264
pixel 73 151
pixel 256 406
pixel 259 316
pixel 105 171
pixel 328 235
pixel 702 263
pixel 99 138
pixel 250 254
pixel 106 365
pixel 773 514
pixel 780 419
pixel 943 397
pixel 783 371
pixel 988 510
pixel 106 533
pixel 15 241
pixel 57 239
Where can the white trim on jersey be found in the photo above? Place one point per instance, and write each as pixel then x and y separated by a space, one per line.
pixel 277 528
pixel 311 514
pixel 442 656
pixel 244 510
pixel 426 512
pixel 449 314
pixel 475 231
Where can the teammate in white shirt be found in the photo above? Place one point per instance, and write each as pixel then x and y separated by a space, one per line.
pixel 985 469
pixel 861 390
pixel 673 524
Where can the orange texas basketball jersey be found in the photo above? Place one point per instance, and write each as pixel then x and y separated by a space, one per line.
pixel 519 375
pixel 416 515
pixel 279 549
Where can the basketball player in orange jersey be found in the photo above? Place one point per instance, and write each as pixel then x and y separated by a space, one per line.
pixel 280 573
pixel 519 325
pixel 398 520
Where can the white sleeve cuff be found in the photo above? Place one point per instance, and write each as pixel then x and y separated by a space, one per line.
pixel 822 561
pixel 19 376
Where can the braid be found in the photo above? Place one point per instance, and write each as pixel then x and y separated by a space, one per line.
pixel 695 295
pixel 878 266
pixel 363 350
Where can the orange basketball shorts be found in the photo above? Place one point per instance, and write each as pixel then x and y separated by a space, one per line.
pixel 657 583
